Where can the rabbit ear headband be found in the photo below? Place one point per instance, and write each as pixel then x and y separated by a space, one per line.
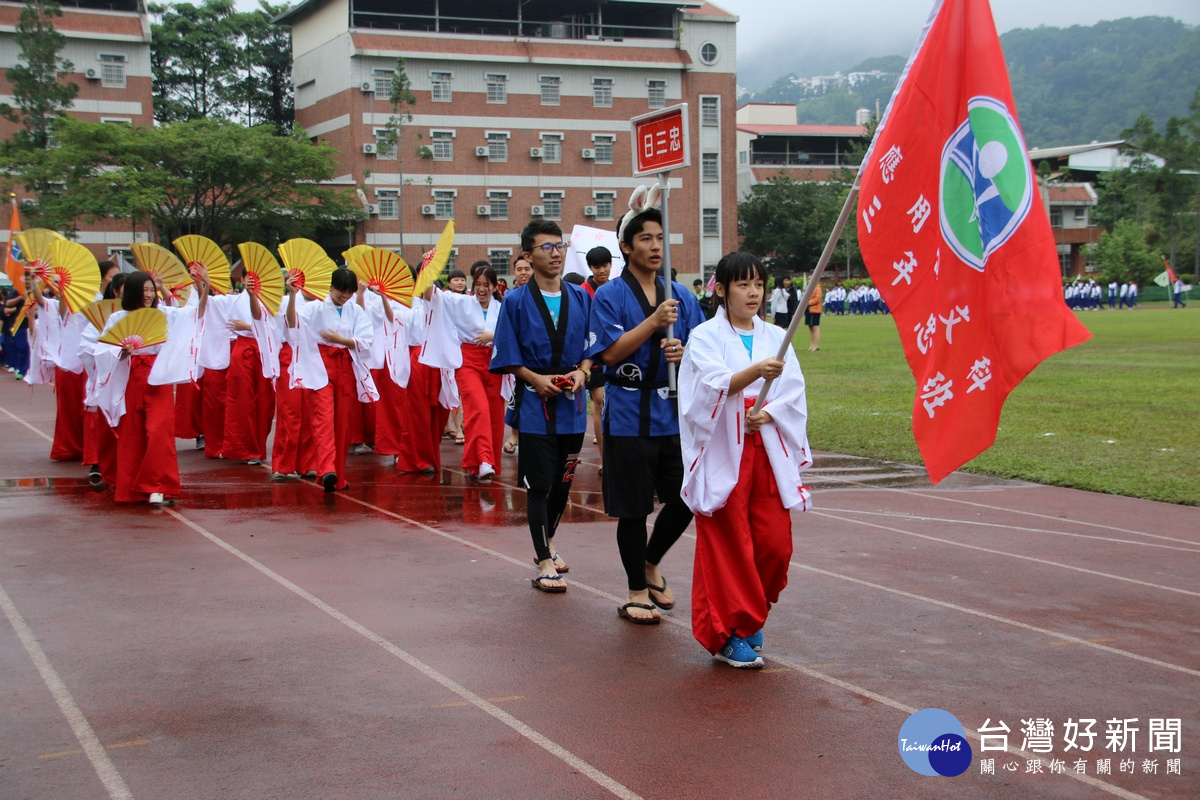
pixel 641 200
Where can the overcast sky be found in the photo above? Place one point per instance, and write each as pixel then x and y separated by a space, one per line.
pixel 815 37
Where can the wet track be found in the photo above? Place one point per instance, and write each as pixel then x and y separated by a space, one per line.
pixel 265 640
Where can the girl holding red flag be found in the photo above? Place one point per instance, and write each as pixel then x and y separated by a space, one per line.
pixel 743 468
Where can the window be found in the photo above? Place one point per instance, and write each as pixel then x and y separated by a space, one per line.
pixel 112 70
pixel 383 82
pixel 443 205
pixel 389 203
pixel 552 203
pixel 440 86
pixel 552 148
pixel 497 146
pixel 605 202
pixel 498 202
pixel 452 262
pixel 742 157
pixel 497 88
pixel 118 120
pixel 710 112
pixel 709 53
pixel 443 145
pixel 602 92
pixel 499 259
pixel 550 89
pixel 710 168
pixel 711 222
pixel 604 149
pixel 657 93
pixel 382 150
pixel 1081 216
pixel 1056 217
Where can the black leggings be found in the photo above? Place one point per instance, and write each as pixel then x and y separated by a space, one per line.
pixel 636 552
pixel 545 509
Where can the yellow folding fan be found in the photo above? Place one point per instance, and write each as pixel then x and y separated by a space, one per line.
pixel 75 274
pixel 98 312
pixel 310 265
pixel 433 266
pixel 156 260
pixel 35 250
pixel 387 272
pixel 264 276
pixel 145 327
pixel 200 251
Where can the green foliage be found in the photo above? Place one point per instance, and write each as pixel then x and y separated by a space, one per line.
pixel 36 89
pixel 788 223
pixel 1123 255
pixel 217 178
pixel 1126 386
pixel 210 61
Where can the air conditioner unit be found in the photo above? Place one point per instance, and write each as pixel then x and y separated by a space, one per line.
pixel 483 211
pixel 588 153
pixel 372 209
pixel 427 210
pixel 537 211
pixel 481 152
pixel 92 74
pixel 589 211
pixel 370 148
pixel 367 87
pixel 536 152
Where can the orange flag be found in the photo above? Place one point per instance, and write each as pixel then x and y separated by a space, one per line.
pixel 14 263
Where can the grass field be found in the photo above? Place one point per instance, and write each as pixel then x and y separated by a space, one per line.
pixel 1118 414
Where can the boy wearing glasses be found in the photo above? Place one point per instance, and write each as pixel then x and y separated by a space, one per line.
pixel 540 338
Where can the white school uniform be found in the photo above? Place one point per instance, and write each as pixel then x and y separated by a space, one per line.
pixel 308 369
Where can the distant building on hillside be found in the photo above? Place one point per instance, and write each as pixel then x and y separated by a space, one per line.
pixel 108 42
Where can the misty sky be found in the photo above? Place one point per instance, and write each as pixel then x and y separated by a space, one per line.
pixel 776 37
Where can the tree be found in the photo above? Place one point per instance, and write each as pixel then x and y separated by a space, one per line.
pixel 36 88
pixel 195 59
pixel 789 222
pixel 401 99
pixel 265 90
pixel 212 177
pixel 1123 255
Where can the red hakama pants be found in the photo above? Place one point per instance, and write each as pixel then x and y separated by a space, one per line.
pixel 389 414
pixel 100 446
pixel 742 554
pixel 69 388
pixel 421 447
pixel 213 386
pixel 146 461
pixel 329 410
pixel 291 451
pixel 483 408
pixel 189 411
pixel 250 403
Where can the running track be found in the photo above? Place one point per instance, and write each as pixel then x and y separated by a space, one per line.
pixel 262 640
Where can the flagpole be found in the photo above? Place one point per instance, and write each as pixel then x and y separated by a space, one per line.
pixel 818 272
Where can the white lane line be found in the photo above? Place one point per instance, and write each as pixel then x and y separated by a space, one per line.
pixel 27 425
pixel 105 770
pixel 1043 561
pixel 949 499
pixel 575 762
pixel 902 516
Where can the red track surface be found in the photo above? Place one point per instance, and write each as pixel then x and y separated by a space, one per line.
pixel 264 640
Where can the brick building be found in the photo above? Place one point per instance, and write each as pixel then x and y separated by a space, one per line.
pixel 108 42
pixel 522 111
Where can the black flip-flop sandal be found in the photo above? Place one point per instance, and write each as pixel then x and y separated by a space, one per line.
pixel 542 587
pixel 623 613
pixel 660 589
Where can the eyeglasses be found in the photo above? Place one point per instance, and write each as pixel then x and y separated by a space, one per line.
pixel 550 247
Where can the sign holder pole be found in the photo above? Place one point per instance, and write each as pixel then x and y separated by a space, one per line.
pixel 664 189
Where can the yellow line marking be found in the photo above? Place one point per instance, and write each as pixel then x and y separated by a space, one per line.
pixel 490 700
pixel 117 746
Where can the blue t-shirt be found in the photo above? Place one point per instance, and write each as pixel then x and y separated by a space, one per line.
pixel 615 310
pixel 524 340
pixel 553 303
pixel 748 341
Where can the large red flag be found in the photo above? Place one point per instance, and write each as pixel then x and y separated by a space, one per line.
pixel 1170 272
pixel 955 235
pixel 14 265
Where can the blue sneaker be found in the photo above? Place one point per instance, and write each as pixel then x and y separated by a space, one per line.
pixel 736 653
pixel 756 641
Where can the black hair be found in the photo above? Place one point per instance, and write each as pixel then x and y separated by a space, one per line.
pixel 534 228
pixel 113 290
pixel 573 277
pixel 736 266
pixel 105 266
pixel 520 257
pixel 478 265
pixel 132 293
pixel 637 223
pixel 597 256
pixel 343 280
pixel 486 272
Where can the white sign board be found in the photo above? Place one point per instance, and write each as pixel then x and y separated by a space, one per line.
pixel 583 239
